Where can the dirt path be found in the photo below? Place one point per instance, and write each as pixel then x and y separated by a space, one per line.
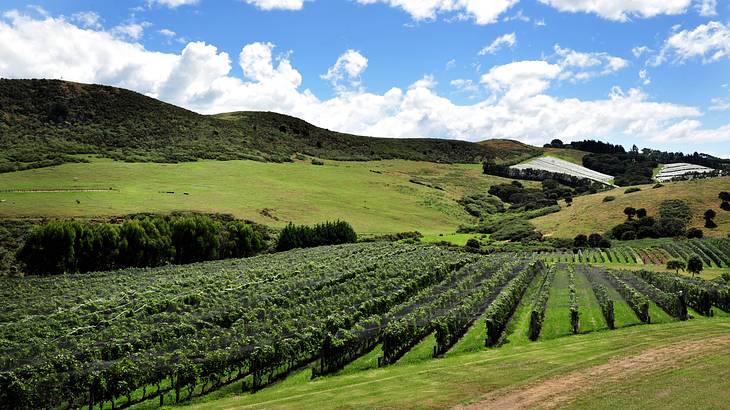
pixel 553 392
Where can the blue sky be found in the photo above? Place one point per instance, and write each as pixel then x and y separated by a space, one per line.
pixel 655 73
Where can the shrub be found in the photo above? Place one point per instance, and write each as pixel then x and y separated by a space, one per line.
pixel 518 230
pixel 724 196
pixel 632 190
pixel 628 236
pixel 609 198
pixel 473 243
pixel 317 162
pixel 725 206
pixel 676 265
pixel 695 233
pixel 580 241
pixel 694 265
pixel 594 241
pixel 328 233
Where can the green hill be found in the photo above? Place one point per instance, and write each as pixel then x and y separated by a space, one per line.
pixel 46 122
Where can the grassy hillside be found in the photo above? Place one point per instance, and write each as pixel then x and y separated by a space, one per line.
pixel 568 154
pixel 43 122
pixel 670 366
pixel 590 214
pixel 512 151
pixel 376 197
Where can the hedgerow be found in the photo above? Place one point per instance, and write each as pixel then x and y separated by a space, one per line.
pixel 638 302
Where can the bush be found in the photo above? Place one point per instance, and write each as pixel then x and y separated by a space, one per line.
pixel 725 206
pixel 317 162
pixel 328 233
pixel 580 241
pixel 628 236
pixel 695 233
pixel 518 230
pixel 632 190
pixel 473 243
pixel 609 198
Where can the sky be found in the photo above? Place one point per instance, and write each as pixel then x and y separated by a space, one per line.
pixel 655 73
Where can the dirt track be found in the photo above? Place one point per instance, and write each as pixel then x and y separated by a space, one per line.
pixel 551 393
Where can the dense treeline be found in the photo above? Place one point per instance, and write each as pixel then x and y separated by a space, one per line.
pixel 596 147
pixel 674 216
pixel 303 236
pixel 77 247
pixel 627 168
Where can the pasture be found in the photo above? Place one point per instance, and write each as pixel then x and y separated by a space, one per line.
pixel 375 197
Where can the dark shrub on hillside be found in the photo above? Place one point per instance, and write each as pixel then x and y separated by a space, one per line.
pixel 328 233
pixel 725 206
pixel 480 205
pixel 518 230
pixel 632 190
pixel 473 243
pixel 580 241
pixel 594 240
pixel 724 196
pixel 695 233
pixel 628 236
pixel 609 198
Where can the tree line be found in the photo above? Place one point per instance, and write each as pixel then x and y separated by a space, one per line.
pixel 77 247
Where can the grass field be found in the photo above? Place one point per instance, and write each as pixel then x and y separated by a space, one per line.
pixel 375 197
pixel 557 315
pixel 591 316
pixel 571 155
pixel 676 365
pixel 590 214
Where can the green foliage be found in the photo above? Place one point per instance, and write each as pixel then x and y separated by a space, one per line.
pixel 539 305
pixel 674 217
pixel 695 265
pixel 609 198
pixel 638 302
pixel 481 205
pixel 45 122
pixel 580 241
pixel 328 233
pixel 668 301
pixel 676 265
pixel 317 162
pixel 518 230
pixel 692 294
pixel 675 208
pixel 500 311
pixel 72 247
pixel 573 303
pixel 632 190
pixel 695 233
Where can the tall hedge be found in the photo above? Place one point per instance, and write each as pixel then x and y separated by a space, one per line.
pixel 73 247
pixel 303 236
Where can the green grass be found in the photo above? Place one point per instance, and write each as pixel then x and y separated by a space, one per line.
pixel 590 214
pixel 365 362
pixel 464 378
pixel 557 314
pixel 458 239
pixel 268 193
pixel 623 315
pixel 566 154
pixel 519 326
pixel 420 352
pixel 591 316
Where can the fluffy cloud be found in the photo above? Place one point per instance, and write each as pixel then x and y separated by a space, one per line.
pixel 508 40
pixel 579 66
pixel 710 42
pixel 201 78
pixel 277 4
pixel 350 66
pixel 720 104
pixel 87 19
pixel 621 10
pixel 481 11
pixel 707 8
pixel 133 31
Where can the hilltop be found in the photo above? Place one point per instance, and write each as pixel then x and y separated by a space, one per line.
pixel 47 122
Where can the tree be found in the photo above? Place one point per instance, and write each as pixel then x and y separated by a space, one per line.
pixel 594 241
pixel 676 265
pixel 725 196
pixel 569 200
pixel 694 265
pixel 630 212
pixel 641 213
pixel 472 243
pixel 556 143
pixel 580 241
pixel 709 216
pixel 695 233
pixel 725 206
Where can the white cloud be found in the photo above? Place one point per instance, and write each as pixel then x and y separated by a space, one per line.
pixel 87 19
pixel 168 33
pixel 349 66
pixel 508 40
pixel 201 78
pixel 450 64
pixel 644 76
pixel 707 8
pixel 621 10
pixel 640 50
pixel 277 4
pixel 578 65
pixel 482 11
pixel 173 3
pixel 720 104
pixel 465 85
pixel 710 42
pixel 133 31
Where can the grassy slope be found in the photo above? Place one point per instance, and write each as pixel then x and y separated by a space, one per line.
pixel 571 155
pixel 590 214
pixel 300 192
pixel 465 378
pixel 591 316
pixel 557 314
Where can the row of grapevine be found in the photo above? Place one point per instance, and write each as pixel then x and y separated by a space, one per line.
pixel 719 293
pixel 125 337
pixel 453 325
pixel 601 293
pixel 539 304
pixel 573 303
pixel 637 301
pixel 715 253
pixel 672 303
pixel 501 309
pixel 695 296
pixel 400 335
